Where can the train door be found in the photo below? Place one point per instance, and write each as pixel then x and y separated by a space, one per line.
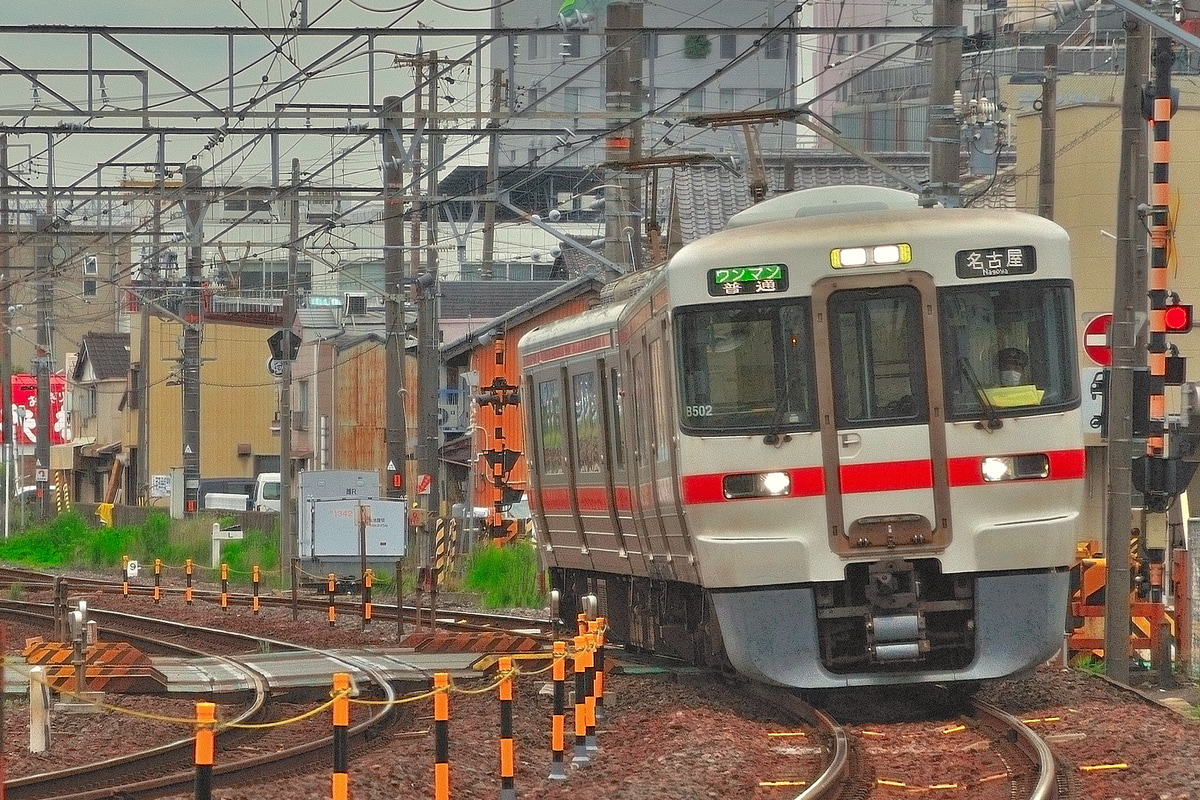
pixel 882 420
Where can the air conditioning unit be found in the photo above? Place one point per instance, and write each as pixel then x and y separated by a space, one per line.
pixel 354 304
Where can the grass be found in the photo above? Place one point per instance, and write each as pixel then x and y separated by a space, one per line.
pixel 506 577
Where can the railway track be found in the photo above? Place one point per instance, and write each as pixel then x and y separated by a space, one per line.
pixel 169 767
pixel 383 613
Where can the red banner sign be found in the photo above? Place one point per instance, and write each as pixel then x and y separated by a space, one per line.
pixel 24 410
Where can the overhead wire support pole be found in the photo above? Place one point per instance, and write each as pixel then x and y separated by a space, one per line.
pixel 395 290
pixel 428 346
pixel 43 359
pixel 288 520
pixel 1129 304
pixel 189 372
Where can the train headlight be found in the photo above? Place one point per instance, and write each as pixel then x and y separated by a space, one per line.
pixel 757 484
pixel 1015 468
pixel 878 255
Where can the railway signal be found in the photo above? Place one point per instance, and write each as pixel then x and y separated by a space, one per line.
pixel 1177 317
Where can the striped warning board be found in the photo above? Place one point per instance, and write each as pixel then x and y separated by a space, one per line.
pixel 108 666
pixel 445 539
pixel 447 642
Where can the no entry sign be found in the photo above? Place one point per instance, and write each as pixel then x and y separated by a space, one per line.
pixel 1095 339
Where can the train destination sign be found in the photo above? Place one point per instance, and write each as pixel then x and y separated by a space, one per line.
pixel 995 262
pixel 764 279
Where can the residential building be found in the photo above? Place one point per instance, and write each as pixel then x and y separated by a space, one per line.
pixel 98 385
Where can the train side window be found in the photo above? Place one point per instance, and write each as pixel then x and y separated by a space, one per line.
pixel 617 415
pixel 984 324
pixel 584 395
pixel 552 432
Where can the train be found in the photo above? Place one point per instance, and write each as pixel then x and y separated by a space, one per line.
pixel 836 444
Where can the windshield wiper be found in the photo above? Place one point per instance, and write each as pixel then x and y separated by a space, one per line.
pixel 993 420
pixel 773 438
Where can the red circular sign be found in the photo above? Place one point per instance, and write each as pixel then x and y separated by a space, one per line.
pixel 1095 339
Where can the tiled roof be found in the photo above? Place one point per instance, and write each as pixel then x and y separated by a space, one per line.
pixel 108 354
pixel 485 300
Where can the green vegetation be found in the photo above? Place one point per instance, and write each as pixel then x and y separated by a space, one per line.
pixel 1089 664
pixel 68 541
pixel 507 577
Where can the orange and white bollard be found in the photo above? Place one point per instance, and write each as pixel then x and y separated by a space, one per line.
pixel 225 587
pixel 187 592
pixel 331 588
pixel 157 579
pixel 581 751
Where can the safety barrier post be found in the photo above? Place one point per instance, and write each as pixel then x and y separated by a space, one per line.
pixel 157 579
pixel 441 727
pixel 581 754
pixel 589 702
pixel 601 627
pixel 224 587
pixel 255 580
pixel 187 592
pixel 331 587
pixel 341 726
pixel 508 789
pixel 368 579
pixel 125 576
pixel 206 717
pixel 558 770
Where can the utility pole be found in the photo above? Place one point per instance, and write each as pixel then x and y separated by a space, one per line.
pixel 189 373
pixel 395 289
pixel 1049 103
pixel 43 360
pixel 428 344
pixel 944 138
pixel 1129 305
pixel 487 264
pixel 142 467
pixel 287 515
pixel 622 236
pixel 6 280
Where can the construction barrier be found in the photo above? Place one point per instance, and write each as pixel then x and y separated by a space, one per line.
pixel 508 789
pixel 558 770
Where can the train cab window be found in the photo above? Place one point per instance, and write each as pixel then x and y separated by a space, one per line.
pixel 552 434
pixel 878 356
pixel 1008 349
pixel 745 367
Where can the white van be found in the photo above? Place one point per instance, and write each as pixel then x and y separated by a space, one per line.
pixel 266 492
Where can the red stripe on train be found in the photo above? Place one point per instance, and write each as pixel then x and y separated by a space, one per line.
pixel 883 476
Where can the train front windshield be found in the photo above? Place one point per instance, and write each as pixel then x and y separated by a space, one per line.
pixel 746 367
pixel 1006 350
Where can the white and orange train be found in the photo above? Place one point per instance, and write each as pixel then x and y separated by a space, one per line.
pixel 795 448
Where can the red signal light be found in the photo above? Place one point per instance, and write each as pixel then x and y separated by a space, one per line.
pixel 1177 318
pixel 397 480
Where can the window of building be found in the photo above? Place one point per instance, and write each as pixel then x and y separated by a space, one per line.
pixel 570 46
pixel 728 45
pixel 774 47
pixel 696 45
pixel 650 45
pixel 728 99
pixel 532 46
pixel 695 100
pixel 89 287
pixel 571 98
